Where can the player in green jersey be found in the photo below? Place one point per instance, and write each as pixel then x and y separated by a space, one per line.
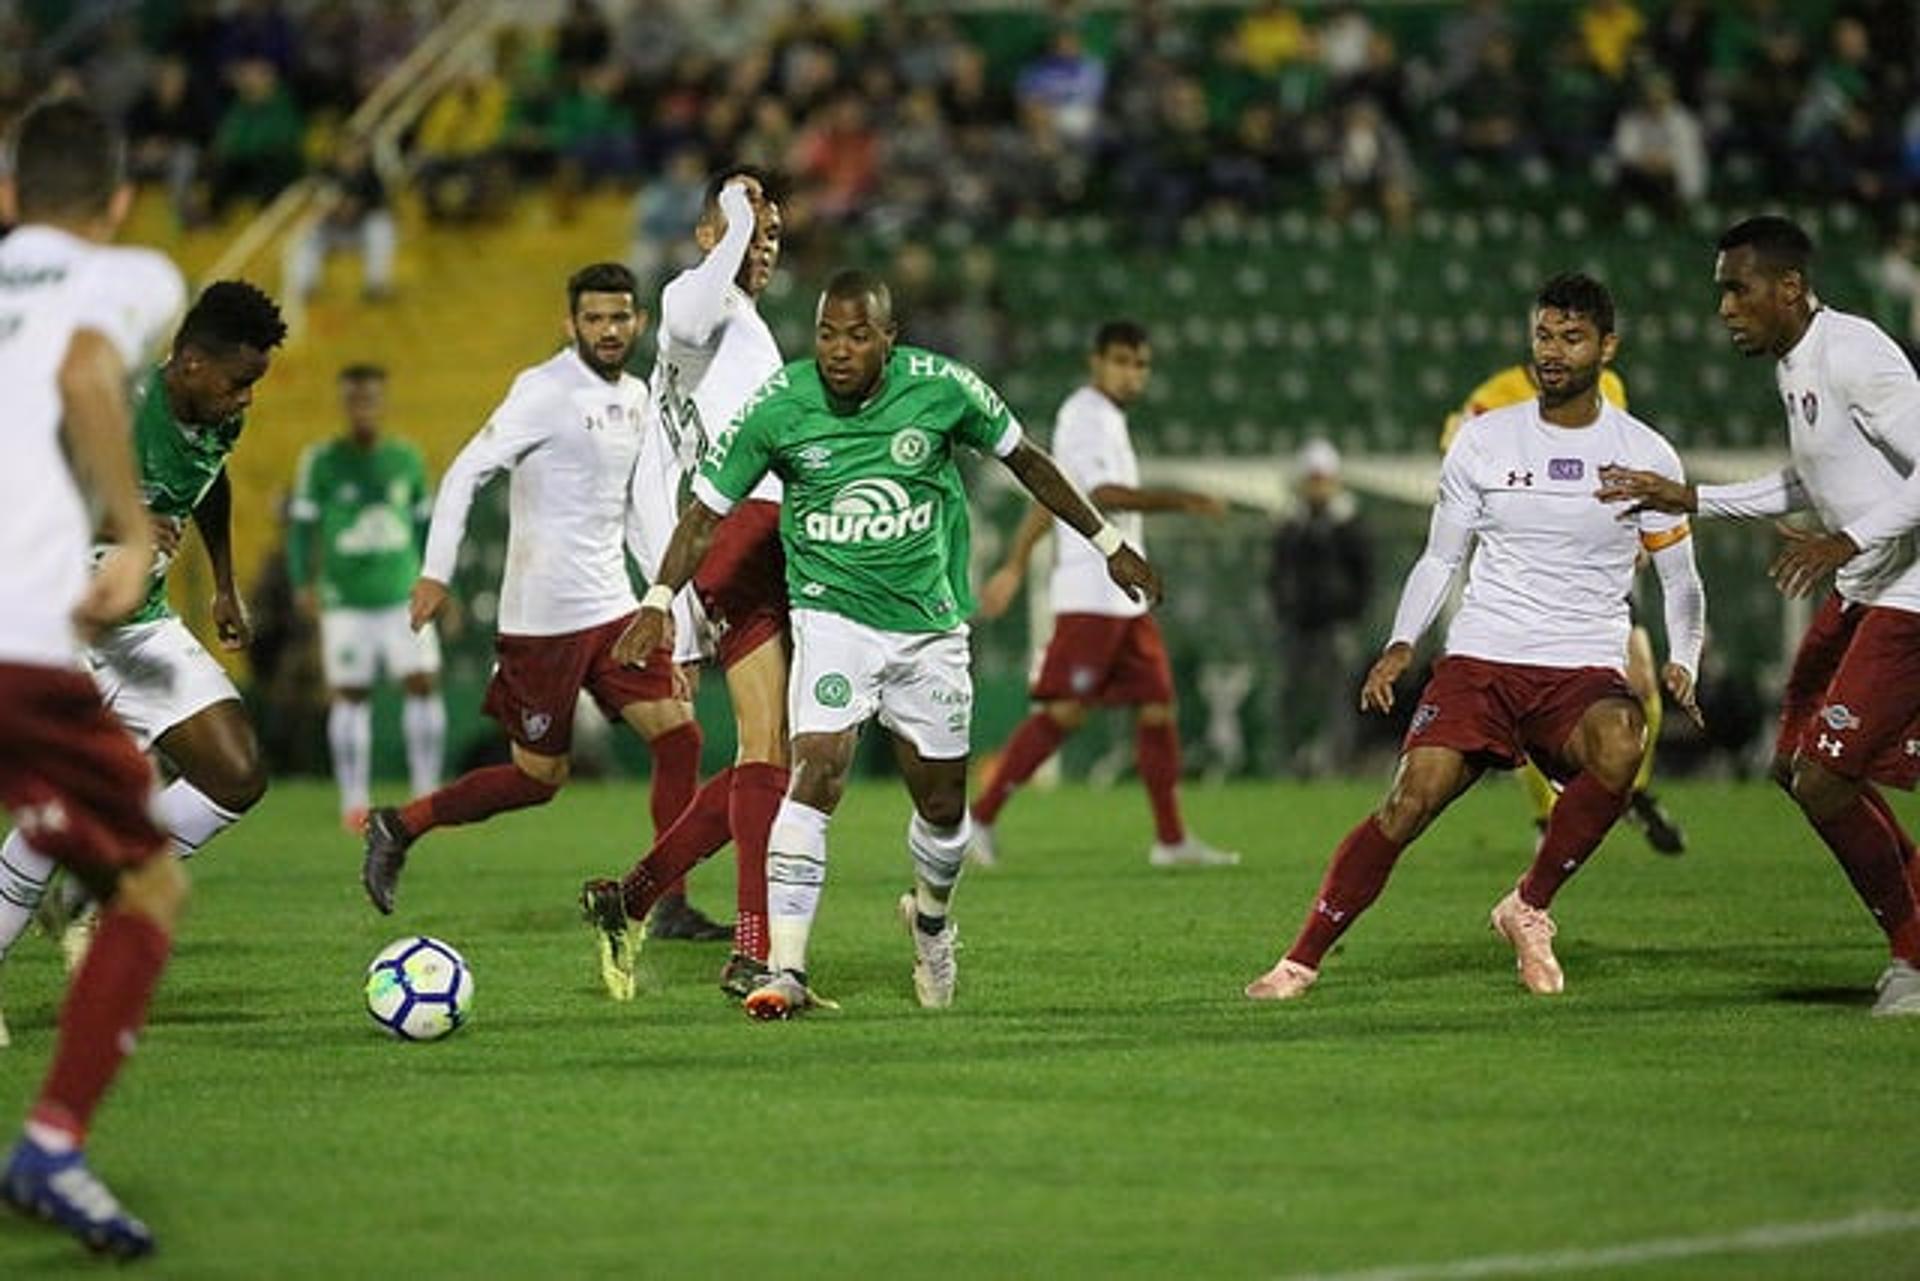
pixel 360 509
pixel 155 677
pixel 874 525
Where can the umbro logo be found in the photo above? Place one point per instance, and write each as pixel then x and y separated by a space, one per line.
pixel 1519 478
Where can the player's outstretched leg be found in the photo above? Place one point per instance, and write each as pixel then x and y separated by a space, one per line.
pixel 474 796
pixel 602 908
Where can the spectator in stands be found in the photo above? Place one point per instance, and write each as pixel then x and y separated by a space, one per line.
pixel 1166 174
pixel 837 157
pixel 166 133
pixel 354 215
pixel 1760 62
pixel 119 69
pixel 583 42
pixel 1682 44
pixel 592 137
pixel 1659 150
pixel 257 147
pixel 664 214
pixel 1270 38
pixel 1345 42
pixel 1368 166
pixel 652 37
pixel 457 156
pixel 1490 116
pixel 257 31
pixel 1843 150
pixel 1321 579
pixel 1463 39
pixel 1611 30
pixel 1068 84
pixel 1576 108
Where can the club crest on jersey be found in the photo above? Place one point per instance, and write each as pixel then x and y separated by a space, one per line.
pixel 1518 479
pixel 535 724
pixel 1839 718
pixel 1565 468
pixel 910 447
pixel 833 690
pixel 1809 407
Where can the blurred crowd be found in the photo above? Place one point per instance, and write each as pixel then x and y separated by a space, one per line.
pixel 904 115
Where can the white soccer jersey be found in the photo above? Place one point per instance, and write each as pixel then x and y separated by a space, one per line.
pixel 1853 429
pixel 53 285
pixel 1091 444
pixel 569 438
pixel 1552 566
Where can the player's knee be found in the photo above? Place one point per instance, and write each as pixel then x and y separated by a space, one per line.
pixel 1819 791
pixel 551 772
pixel 944 807
pixel 1615 759
pixel 238 785
pixel 1408 809
pixel 1067 714
pixel 1154 715
pixel 763 740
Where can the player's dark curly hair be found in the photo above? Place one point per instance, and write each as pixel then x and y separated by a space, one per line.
pixel 229 315
pixel 1779 245
pixel 601 278
pixel 67 159
pixel 770 183
pixel 1580 294
pixel 1119 333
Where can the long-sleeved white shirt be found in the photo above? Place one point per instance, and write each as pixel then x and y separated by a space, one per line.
pixel 1092 447
pixel 1853 433
pixel 569 439
pixel 52 286
pixel 1553 567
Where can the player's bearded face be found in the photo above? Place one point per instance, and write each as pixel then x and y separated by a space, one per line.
pixel 1568 353
pixel 605 327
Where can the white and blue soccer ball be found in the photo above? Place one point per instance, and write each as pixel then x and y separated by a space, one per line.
pixel 419 989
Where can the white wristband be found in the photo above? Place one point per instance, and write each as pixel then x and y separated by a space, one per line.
pixel 659 596
pixel 1106 539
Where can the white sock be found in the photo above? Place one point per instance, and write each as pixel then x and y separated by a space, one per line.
pixel 24 872
pixel 938 855
pixel 190 818
pixel 796 870
pixel 424 718
pixel 350 735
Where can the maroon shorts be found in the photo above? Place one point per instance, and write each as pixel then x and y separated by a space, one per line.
pixel 537 680
pixel 1853 696
pixel 1099 658
pixel 74 781
pixel 742 580
pixel 1500 714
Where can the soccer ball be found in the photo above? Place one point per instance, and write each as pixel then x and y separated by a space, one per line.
pixel 419 989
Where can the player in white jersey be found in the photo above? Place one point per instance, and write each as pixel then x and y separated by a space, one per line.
pixel 568 433
pixel 1848 716
pixel 75 319
pixel 1534 661
pixel 714 351
pixel 1106 647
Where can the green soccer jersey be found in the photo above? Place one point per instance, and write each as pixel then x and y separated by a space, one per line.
pixel 874 518
pixel 368 509
pixel 178 464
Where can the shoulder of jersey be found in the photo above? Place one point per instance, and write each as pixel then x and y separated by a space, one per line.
pixel 1857 331
pixel 1507 416
pixel 142 293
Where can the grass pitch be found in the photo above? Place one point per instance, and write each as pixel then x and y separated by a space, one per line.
pixel 1100 1102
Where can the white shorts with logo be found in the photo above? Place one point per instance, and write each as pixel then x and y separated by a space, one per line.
pixel 918 683
pixel 152 676
pixel 356 645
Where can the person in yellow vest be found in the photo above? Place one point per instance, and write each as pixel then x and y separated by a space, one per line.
pixel 1508 387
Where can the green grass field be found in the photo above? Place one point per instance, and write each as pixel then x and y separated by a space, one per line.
pixel 1100 1102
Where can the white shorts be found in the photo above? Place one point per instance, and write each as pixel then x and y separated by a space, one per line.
pixel 918 683
pixel 154 675
pixel 356 645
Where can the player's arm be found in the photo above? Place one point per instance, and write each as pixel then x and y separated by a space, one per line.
pixel 1684 600
pixel 213 517
pixel 700 297
pixel 1004 583
pixel 507 438
pixel 1035 469
pixel 1775 494
pixel 1128 498
pixel 96 423
pixel 1449 539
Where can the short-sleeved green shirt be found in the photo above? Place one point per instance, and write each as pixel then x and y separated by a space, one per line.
pixel 368 508
pixel 874 517
pixel 178 464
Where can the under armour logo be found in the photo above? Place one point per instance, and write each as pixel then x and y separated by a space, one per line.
pixel 1831 746
pixel 1328 910
pixel 1519 478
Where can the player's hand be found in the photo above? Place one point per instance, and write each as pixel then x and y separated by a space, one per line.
pixel 1808 557
pixel 1679 683
pixel 1204 505
pixel 118 585
pixel 1376 693
pixel 424 603
pixel 649 630
pixel 1647 491
pixel 1135 576
pixel 997 593
pixel 230 622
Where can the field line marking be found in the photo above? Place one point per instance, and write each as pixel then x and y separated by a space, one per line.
pixel 1762 1239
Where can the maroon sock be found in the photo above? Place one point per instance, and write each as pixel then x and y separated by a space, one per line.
pixel 1877 799
pixel 757 791
pixel 1354 879
pixel 676 774
pixel 1037 738
pixel 1158 750
pixel 1581 818
pixel 475 795
pixel 700 830
pixel 105 1008
pixel 1869 853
